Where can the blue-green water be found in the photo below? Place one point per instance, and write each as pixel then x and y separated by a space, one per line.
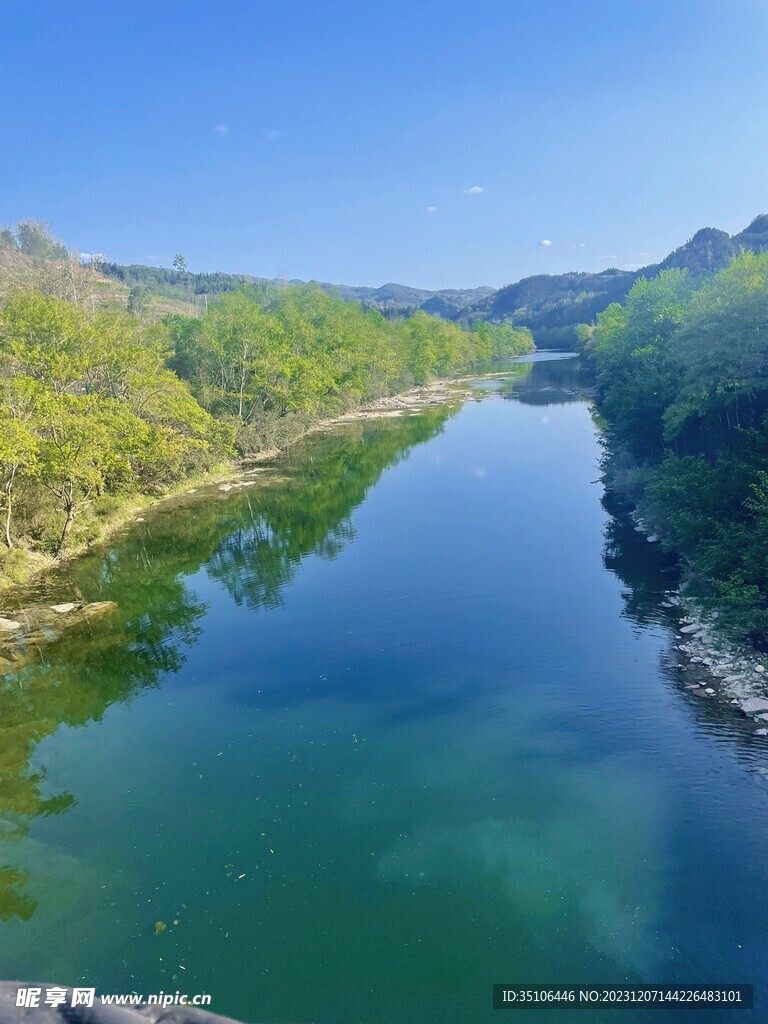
pixel 393 725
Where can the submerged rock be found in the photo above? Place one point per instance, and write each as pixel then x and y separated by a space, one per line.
pixel 42 623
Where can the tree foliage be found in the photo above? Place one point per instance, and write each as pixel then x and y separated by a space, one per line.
pixel 88 406
pixel 682 372
pixel 96 404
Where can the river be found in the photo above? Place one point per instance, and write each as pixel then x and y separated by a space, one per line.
pixel 392 725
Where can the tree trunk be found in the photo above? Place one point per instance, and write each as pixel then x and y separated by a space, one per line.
pixel 69 508
pixel 65 532
pixel 8 504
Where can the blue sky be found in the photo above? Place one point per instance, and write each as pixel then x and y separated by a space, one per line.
pixel 341 141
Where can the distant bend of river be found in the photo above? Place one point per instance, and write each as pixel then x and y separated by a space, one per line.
pixel 393 725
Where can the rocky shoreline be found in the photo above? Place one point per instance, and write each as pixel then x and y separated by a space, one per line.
pixel 716 668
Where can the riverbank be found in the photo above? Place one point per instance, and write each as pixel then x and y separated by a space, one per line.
pixel 21 567
pixel 717 669
pixel 713 665
pixel 715 662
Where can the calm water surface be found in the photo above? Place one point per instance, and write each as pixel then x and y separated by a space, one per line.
pixel 393 725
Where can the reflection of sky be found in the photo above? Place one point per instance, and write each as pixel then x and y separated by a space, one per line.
pixel 562 844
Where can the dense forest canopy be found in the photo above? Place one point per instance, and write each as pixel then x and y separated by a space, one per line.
pixel 682 370
pixel 98 403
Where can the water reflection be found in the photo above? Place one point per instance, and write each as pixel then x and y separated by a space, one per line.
pixel 272 529
pixel 548 378
pixel 251 542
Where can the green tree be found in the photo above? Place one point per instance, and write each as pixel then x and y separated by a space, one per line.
pixel 78 450
pixel 633 348
pixel 34 238
pixel 18 442
pixel 721 355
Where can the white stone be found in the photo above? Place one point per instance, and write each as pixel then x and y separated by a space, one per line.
pixel 760 668
pixel 62 609
pixel 9 626
pixel 754 704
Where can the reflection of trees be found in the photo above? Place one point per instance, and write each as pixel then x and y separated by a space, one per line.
pixel 643 568
pixel 252 541
pixel 548 382
pixel 328 477
pixel 73 681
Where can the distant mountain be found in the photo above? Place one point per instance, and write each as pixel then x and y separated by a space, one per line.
pixel 392 299
pixel 551 305
pixel 447 302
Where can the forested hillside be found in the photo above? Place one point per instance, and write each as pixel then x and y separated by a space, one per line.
pixel 99 403
pixel 553 306
pixel 682 369
pixel 394 300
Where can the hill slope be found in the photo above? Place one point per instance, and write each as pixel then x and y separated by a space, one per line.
pixel 552 305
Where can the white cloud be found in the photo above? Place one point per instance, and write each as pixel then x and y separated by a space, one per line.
pixel 431 209
pixel 473 190
pixel 221 129
pixel 545 242
pixel 273 136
